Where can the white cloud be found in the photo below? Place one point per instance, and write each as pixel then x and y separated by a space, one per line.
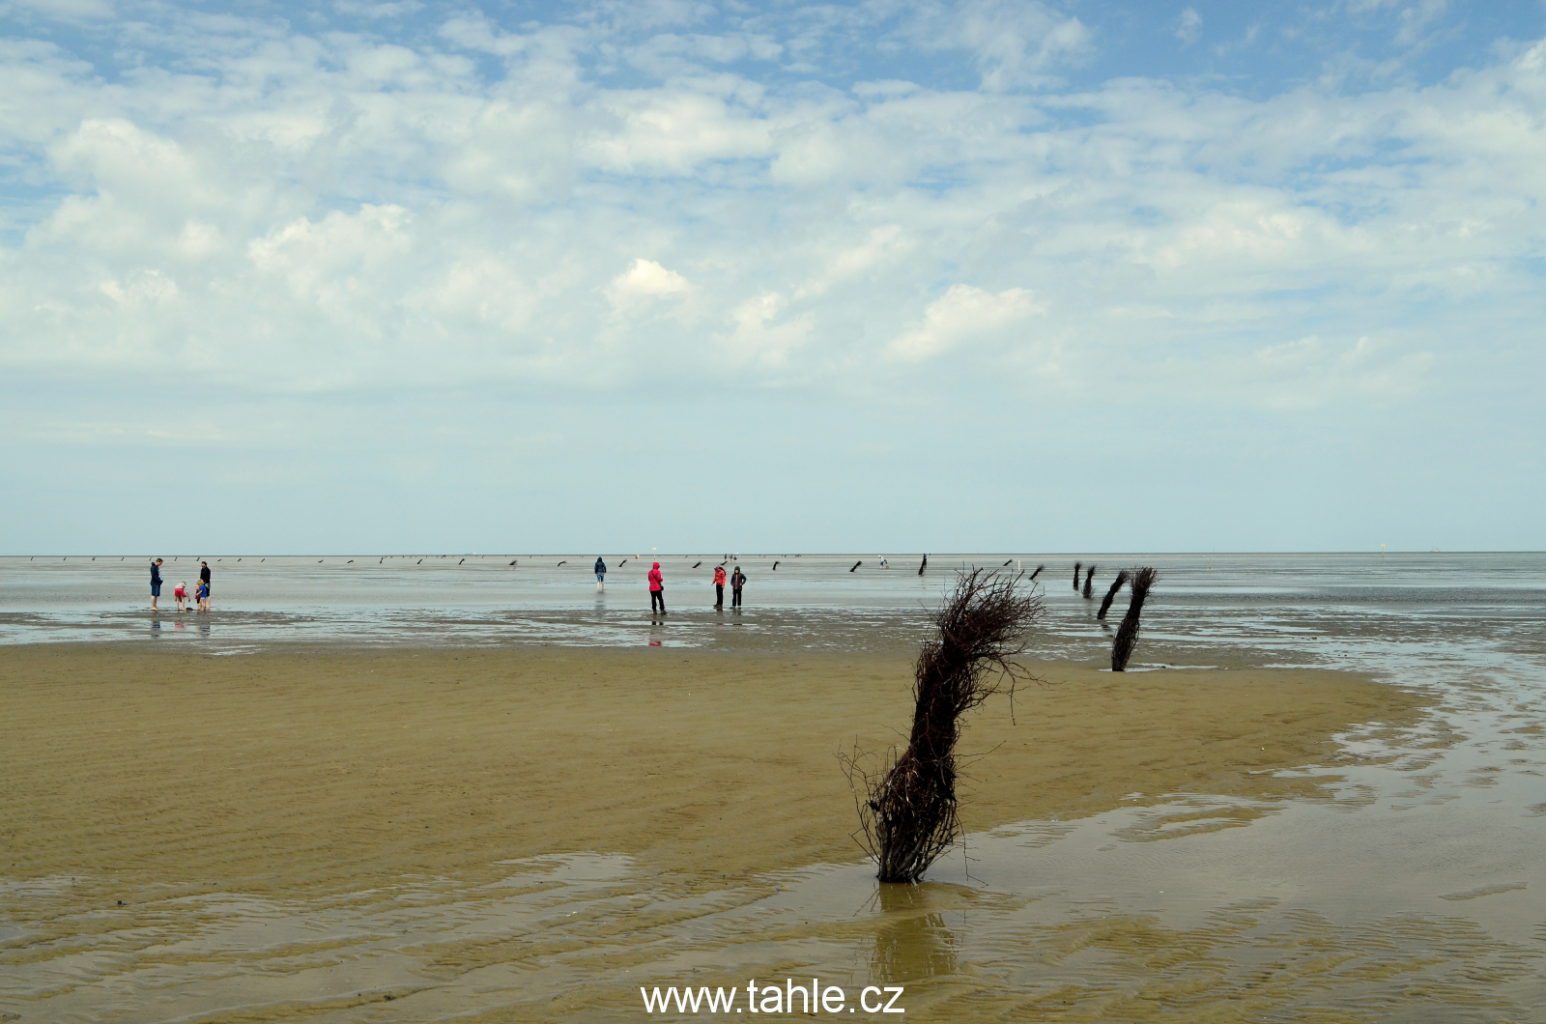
pixel 1189 26
pixel 762 335
pixel 1013 41
pixel 881 247
pixel 646 279
pixel 962 315
pixel 673 131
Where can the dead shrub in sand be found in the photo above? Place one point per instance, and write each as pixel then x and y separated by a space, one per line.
pixel 1127 633
pixel 907 816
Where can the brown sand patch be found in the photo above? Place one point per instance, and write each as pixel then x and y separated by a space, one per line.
pixel 311 770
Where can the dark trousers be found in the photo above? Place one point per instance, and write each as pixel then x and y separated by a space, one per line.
pixel 735 598
pixel 657 600
pixel 719 595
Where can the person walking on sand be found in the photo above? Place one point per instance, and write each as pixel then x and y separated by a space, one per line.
pixel 737 581
pixel 155 584
pixel 657 590
pixel 601 574
pixel 719 588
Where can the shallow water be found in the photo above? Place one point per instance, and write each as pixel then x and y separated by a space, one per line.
pixel 1284 607
pixel 1415 891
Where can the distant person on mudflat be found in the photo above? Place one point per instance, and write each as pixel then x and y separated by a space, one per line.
pixel 657 590
pixel 601 573
pixel 737 581
pixel 155 584
pixel 719 588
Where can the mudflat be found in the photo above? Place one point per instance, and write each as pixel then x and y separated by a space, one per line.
pixel 309 771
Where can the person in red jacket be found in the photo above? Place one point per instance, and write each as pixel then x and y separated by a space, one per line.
pixel 657 591
pixel 719 588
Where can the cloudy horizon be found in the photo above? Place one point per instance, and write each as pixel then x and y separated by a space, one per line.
pixel 977 276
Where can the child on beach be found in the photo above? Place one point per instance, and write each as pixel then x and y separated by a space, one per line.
pixel 203 595
pixel 181 593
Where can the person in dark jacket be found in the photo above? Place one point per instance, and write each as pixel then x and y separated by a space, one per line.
pixel 657 590
pixel 601 574
pixel 204 579
pixel 155 583
pixel 737 581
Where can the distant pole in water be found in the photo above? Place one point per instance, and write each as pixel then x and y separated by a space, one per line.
pixel 1127 633
pixel 349 562
pixel 775 566
pixel 923 565
pixel 1006 563
pixel 856 566
pixel 1077 566
pixel 463 560
pixel 697 563
pixel 564 562
pixel 419 562
pixel 513 561
pixel 1037 573
pixel 1111 595
pixel 622 563
pixel 1089 578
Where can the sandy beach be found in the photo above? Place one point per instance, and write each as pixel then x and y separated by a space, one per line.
pixel 158 786
pixel 286 771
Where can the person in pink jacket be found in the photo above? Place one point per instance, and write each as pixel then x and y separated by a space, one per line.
pixel 719 588
pixel 657 591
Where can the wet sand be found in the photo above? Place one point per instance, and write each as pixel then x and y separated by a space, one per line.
pixel 529 835
pixel 284 772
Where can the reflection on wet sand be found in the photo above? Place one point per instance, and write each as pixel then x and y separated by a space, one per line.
pixel 912 942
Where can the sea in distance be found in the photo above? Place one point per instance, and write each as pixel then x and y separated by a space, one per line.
pixel 1364 611
pixel 1412 887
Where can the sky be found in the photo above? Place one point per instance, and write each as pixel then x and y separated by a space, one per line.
pixel 771 277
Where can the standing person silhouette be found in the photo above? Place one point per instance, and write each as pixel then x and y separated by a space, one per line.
pixel 155 584
pixel 601 574
pixel 737 581
pixel 719 588
pixel 657 590
pixel 204 579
